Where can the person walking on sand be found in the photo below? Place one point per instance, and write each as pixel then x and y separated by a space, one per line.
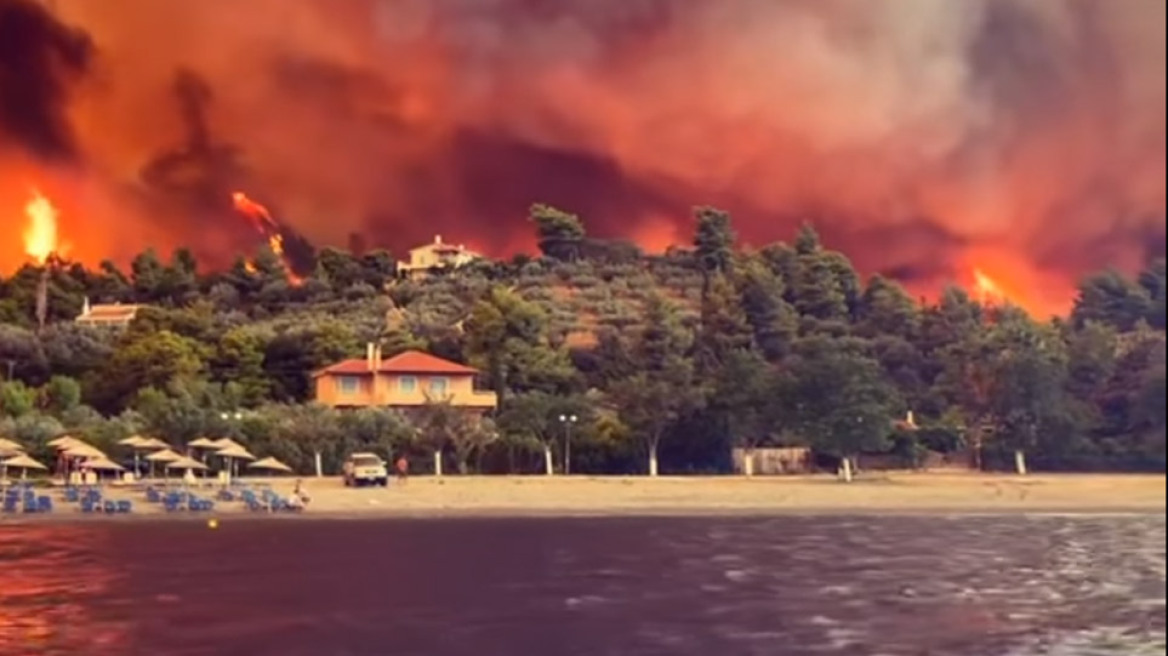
pixel 403 469
pixel 300 494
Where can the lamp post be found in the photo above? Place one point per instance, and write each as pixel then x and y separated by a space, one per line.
pixel 568 421
pixel 228 417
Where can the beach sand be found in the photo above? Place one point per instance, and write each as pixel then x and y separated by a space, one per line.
pixel 874 493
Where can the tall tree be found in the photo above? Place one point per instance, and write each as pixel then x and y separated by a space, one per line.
pixel 535 415
pixel 819 285
pixel 560 234
pixel 1152 279
pixel 1110 298
pixel 664 388
pixel 724 326
pixel 714 240
pixel 1029 370
pixel 839 400
pixel 885 309
pixel 773 320
pixel 745 400
pixel 144 360
pixel 507 338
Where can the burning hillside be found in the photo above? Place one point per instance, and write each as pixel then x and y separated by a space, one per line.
pixel 925 139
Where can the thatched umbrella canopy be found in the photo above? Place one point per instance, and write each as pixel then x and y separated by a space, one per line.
pixel 165 455
pixel 189 464
pixel 270 464
pixel 82 450
pixel 22 462
pixel 204 443
pixel 235 453
pixel 10 446
pixel 64 442
pixel 103 465
pixel 232 453
pixel 225 443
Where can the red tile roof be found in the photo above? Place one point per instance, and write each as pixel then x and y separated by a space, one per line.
pixel 409 362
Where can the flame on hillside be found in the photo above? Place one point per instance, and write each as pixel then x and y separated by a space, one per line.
pixel 41 239
pixel 261 219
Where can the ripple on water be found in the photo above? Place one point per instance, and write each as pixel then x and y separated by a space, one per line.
pixel 898 586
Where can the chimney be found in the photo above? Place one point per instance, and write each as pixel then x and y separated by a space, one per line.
pixel 437 239
pixel 910 419
pixel 371 356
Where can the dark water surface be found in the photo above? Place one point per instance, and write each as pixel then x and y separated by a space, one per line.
pixel 549 587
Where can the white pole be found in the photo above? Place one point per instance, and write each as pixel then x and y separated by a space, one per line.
pixel 1020 462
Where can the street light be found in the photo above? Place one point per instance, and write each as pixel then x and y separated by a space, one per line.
pixel 567 421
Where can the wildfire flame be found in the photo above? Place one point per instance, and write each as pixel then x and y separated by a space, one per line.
pixel 267 226
pixel 988 290
pixel 40 237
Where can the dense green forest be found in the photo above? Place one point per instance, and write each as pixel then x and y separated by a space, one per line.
pixel 685 354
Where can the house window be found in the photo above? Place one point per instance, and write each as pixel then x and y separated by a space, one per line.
pixel 349 384
pixel 438 386
pixel 408 384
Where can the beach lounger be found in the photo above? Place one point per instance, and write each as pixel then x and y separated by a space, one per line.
pixel 125 506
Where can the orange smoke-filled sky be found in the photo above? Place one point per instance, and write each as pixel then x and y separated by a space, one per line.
pixel 924 138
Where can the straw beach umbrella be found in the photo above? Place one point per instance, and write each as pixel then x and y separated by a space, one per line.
pixel 81 450
pixel 138 445
pixel 185 463
pixel 165 455
pixel 188 466
pixel 103 465
pixel 153 444
pixel 232 453
pixel 203 444
pixel 64 442
pixel 270 464
pixel 21 462
pixel 10 446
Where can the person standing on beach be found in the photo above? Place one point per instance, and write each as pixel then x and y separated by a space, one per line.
pixel 403 469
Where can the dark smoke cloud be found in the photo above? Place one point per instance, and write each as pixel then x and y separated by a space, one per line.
pixel 915 132
pixel 38 56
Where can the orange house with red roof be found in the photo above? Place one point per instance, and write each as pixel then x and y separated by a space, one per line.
pixel 407 380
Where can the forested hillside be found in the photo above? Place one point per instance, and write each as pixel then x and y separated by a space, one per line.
pixel 693 351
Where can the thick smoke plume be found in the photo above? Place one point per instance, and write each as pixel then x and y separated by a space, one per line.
pixel 39 57
pixel 1023 136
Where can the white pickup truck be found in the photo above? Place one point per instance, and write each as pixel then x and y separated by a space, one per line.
pixel 363 469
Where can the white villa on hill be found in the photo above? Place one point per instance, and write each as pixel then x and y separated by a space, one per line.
pixel 437 255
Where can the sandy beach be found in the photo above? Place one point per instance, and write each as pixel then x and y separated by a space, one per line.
pixel 518 496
